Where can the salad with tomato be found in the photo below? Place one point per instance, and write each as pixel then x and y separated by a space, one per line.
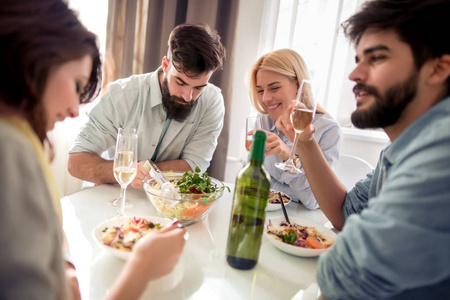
pixel 299 235
pixel 197 183
pixel 125 236
pixel 198 193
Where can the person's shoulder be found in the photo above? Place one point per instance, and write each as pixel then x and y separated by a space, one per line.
pixel 435 122
pixel 129 89
pixel 429 131
pixel 132 82
pixel 212 93
pixel 15 139
pixel 17 149
pixel 441 111
pixel 325 121
pixel 327 118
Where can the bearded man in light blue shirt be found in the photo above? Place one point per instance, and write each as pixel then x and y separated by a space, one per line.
pixel 177 113
pixel 395 238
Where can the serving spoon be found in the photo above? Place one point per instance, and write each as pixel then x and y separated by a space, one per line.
pixel 167 188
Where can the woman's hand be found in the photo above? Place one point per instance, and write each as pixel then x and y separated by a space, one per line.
pixel 72 281
pixel 284 125
pixel 274 145
pixel 70 272
pixel 154 256
pixel 159 251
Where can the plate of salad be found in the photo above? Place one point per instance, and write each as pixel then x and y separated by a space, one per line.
pixel 119 235
pixel 273 201
pixel 300 237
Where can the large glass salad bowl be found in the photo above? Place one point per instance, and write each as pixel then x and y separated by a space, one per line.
pixel 191 205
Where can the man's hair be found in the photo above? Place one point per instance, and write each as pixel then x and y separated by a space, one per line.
pixel 423 24
pixel 195 49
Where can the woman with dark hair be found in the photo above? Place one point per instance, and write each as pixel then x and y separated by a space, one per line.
pixel 49 64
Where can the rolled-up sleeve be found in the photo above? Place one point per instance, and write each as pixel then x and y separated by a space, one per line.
pixel 100 131
pixel 357 198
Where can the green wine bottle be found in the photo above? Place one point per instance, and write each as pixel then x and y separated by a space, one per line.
pixel 248 211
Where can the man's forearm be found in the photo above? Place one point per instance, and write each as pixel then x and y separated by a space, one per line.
pixel 327 189
pixel 179 165
pixel 90 167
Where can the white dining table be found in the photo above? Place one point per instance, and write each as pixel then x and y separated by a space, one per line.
pixel 205 271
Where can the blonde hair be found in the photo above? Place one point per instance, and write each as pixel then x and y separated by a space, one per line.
pixel 286 62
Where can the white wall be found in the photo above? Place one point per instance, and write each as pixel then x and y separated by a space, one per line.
pixel 359 143
pixel 247 43
pixel 93 14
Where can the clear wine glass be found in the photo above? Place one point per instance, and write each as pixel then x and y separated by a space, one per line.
pixel 251 123
pixel 301 117
pixel 125 162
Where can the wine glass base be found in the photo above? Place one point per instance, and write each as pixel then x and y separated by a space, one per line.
pixel 290 168
pixel 116 203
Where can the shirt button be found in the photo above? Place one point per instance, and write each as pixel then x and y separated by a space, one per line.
pixel 153 144
pixel 161 120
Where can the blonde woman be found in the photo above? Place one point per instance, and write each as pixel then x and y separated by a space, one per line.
pixel 274 82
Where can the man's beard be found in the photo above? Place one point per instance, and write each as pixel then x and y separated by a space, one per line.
pixel 176 108
pixel 385 111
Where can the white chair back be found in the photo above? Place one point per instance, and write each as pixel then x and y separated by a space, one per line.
pixel 350 169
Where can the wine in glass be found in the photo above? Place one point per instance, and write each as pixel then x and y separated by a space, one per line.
pixel 125 162
pixel 301 117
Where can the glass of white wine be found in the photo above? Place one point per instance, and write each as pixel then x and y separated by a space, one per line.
pixel 125 162
pixel 301 117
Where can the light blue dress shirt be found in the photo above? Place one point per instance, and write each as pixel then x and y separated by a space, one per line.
pixel 396 240
pixel 296 186
pixel 136 102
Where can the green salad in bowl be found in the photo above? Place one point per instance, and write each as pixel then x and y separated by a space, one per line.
pixel 198 195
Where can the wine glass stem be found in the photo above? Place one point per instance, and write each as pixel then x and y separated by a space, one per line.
pixel 290 160
pixel 122 200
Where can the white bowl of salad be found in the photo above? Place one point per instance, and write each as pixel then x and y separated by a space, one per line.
pixel 273 201
pixel 301 237
pixel 119 235
pixel 198 195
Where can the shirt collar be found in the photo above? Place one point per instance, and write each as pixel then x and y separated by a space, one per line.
pixel 155 89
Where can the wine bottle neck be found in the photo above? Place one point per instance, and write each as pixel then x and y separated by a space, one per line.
pixel 258 145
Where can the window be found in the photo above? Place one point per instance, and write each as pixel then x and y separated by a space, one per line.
pixel 312 28
pixel 93 15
